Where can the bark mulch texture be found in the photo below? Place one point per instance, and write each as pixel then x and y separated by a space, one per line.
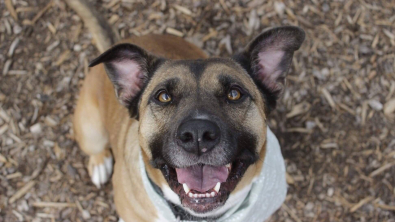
pixel 335 122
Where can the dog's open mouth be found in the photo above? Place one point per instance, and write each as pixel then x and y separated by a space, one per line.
pixel 202 181
pixel 203 188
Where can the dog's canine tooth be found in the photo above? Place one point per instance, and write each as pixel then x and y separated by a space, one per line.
pixel 216 188
pixel 229 166
pixel 186 188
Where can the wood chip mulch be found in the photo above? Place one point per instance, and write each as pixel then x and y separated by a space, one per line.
pixel 335 122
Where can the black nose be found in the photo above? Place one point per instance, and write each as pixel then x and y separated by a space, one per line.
pixel 198 136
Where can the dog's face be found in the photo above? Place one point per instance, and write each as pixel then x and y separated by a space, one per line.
pixel 202 123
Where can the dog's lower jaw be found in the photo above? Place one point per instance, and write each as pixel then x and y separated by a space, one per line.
pixel 233 200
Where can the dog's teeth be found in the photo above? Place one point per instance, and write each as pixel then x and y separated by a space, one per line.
pixel 229 166
pixel 186 188
pixel 201 195
pixel 216 188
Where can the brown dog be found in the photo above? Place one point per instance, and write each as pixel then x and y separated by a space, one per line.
pixel 197 125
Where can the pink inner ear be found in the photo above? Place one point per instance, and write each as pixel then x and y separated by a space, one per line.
pixel 269 68
pixel 130 79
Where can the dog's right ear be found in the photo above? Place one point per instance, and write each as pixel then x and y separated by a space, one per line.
pixel 268 57
pixel 128 67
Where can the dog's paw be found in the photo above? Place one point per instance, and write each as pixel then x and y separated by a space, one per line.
pixel 100 168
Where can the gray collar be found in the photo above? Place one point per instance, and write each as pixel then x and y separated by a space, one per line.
pixel 266 195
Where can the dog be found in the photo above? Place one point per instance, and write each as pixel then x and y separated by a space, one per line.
pixel 184 135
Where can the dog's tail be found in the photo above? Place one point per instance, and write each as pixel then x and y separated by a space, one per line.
pixel 101 30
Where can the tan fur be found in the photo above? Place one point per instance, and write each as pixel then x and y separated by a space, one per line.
pixel 100 120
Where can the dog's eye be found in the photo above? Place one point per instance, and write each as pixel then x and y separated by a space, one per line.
pixel 164 97
pixel 234 94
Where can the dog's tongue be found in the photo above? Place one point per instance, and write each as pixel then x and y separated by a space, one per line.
pixel 202 177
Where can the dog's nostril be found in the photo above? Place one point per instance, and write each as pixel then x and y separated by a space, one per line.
pixel 186 137
pixel 209 136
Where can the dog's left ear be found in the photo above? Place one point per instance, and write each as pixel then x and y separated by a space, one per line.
pixel 268 57
pixel 129 68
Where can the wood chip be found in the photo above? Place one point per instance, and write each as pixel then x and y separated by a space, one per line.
pixel 381 169
pixel 85 214
pixel 4 115
pixel 14 175
pixel 114 18
pixel 360 204
pixel 36 128
pixel 346 108
pixel 11 9
pixel 391 92
pixel 39 14
pixel 13 46
pixel 213 33
pixel 291 213
pixel 289 178
pixel 227 43
pixel 2 158
pixel 364 112
pixel 3 129
pixel 376 105
pixel 18 215
pixel 329 146
pixel 305 22
pixel 224 6
pixel 44 215
pixel 17 72
pixel 183 9
pixel 51 28
pixel 53 204
pixel 299 109
pixel 174 32
pixel 298 130
pixel 328 97
pixel 389 107
pixel 63 57
pixel 111 4
pixel 7 66
pixel 375 41
pixel 388 34
pixel 22 191
pixel 385 207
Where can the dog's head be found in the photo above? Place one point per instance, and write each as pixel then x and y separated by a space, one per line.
pixel 202 123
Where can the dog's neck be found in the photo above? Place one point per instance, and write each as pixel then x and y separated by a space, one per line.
pixel 261 199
